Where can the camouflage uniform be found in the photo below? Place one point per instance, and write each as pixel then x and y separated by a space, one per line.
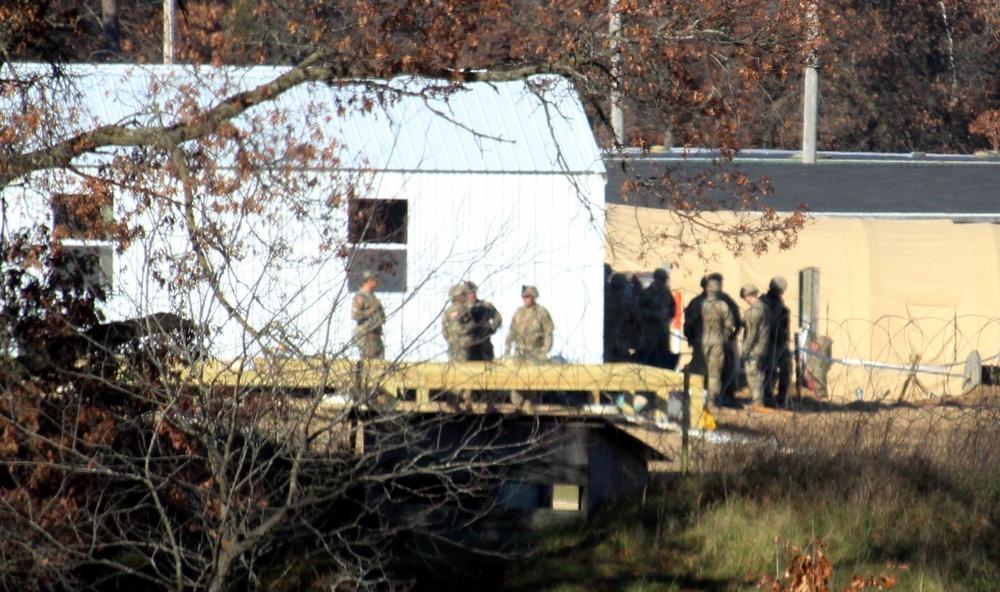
pixel 368 313
pixel 530 331
pixel 486 321
pixel 657 307
pixel 718 326
pixel 756 331
pixel 456 324
pixel 692 332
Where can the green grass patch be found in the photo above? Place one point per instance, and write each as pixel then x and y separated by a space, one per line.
pixel 927 523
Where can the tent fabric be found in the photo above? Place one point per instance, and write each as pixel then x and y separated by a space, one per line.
pixel 894 295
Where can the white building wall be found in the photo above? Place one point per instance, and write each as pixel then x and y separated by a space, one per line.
pixel 518 201
pixel 500 231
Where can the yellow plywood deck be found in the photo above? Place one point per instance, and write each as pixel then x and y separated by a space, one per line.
pixel 424 377
pixel 412 384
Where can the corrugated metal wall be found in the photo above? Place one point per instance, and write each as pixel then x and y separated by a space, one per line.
pixel 502 189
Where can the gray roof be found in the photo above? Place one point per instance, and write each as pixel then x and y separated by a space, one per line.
pixel 899 186
pixel 536 125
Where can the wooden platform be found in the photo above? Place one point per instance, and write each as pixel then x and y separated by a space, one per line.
pixel 417 386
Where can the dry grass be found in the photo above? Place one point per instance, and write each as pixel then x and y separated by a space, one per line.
pixel 960 431
pixel 905 489
pixel 901 493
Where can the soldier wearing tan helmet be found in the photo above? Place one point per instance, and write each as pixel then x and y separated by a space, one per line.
pixel 530 334
pixel 693 333
pixel 367 312
pixel 456 324
pixel 756 332
pixel 718 326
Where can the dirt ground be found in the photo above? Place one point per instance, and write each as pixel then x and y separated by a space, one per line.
pixel 934 426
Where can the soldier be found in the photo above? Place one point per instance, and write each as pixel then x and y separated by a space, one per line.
pixel 756 330
pixel 731 371
pixel 692 332
pixel 657 308
pixel 530 330
pixel 368 313
pixel 779 358
pixel 486 321
pixel 456 324
pixel 718 327
pixel 621 321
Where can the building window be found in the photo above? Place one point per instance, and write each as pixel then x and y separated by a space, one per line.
pixel 566 497
pixel 377 221
pixel 81 217
pixel 93 264
pixel 390 263
pixel 560 497
pixel 371 224
pixel 80 227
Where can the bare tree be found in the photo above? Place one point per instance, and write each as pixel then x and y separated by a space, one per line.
pixel 130 459
pixel 690 68
pixel 120 469
pixel 218 488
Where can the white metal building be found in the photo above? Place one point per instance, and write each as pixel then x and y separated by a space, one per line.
pixel 502 184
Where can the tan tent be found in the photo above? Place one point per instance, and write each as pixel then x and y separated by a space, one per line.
pixel 899 298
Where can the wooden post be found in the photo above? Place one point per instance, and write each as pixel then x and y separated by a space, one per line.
pixel 359 438
pixel 912 379
pixel 595 397
pixel 798 370
pixel 685 421
pixel 810 90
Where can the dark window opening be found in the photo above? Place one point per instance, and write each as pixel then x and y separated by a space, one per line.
pixel 561 497
pixel 379 221
pixel 81 217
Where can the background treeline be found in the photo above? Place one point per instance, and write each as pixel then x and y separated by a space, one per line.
pixel 895 75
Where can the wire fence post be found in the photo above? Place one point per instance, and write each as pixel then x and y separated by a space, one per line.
pixel 685 421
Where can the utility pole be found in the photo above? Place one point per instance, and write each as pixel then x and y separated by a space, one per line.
pixel 810 91
pixel 617 114
pixel 112 27
pixel 169 7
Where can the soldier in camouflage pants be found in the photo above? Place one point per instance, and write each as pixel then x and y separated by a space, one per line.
pixel 718 326
pixel 367 312
pixel 756 332
pixel 456 324
pixel 531 329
